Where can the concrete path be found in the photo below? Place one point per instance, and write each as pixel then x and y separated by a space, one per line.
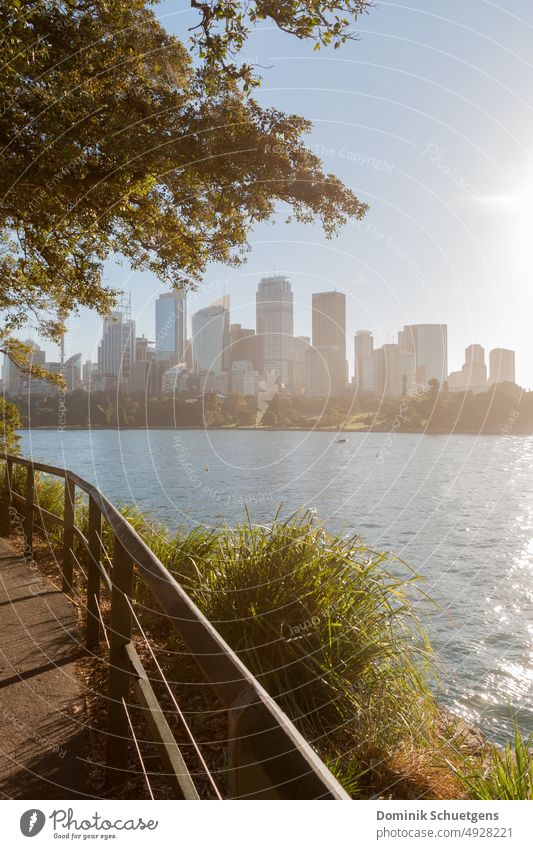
pixel 43 740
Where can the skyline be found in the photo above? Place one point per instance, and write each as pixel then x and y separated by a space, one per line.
pixel 443 157
pixel 193 318
pixel 317 365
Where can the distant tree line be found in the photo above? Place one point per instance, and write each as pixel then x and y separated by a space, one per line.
pixel 505 409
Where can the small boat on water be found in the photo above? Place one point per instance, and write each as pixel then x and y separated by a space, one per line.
pixel 341 439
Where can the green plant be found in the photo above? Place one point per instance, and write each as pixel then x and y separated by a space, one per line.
pixel 507 775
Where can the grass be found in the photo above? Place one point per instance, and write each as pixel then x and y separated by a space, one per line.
pixel 507 774
pixel 329 627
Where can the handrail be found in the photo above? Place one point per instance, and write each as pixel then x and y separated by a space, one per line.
pixel 269 758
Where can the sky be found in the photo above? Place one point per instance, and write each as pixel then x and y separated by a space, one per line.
pixel 428 116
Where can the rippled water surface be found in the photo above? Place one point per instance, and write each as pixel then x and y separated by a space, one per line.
pixel 459 509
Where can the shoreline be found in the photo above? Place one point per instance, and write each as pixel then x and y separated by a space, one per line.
pixel 345 431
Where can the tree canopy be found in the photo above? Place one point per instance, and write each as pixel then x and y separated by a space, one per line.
pixel 114 139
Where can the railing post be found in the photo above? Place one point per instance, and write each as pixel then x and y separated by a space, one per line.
pixel 68 534
pixel 93 574
pixel 247 779
pixel 6 512
pixel 119 674
pixel 28 507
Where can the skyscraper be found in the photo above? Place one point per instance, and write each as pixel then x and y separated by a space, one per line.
pixel 209 338
pixel 274 323
pixel 171 326
pixel 473 375
pixel 429 344
pixel 363 347
pixel 116 352
pixel 501 366
pixel 329 339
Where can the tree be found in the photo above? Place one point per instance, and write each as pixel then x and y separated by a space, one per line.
pixel 10 423
pixel 113 142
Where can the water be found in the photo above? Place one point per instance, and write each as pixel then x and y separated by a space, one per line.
pixel 459 509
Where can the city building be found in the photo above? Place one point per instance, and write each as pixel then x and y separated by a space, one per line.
pixel 210 337
pixel 300 346
pixel 473 374
pixel 501 366
pixel 324 369
pixel 363 348
pixel 274 323
pixel 244 378
pixel 89 371
pixel 329 335
pixel 243 345
pixel 393 371
pixel 171 326
pixel 429 344
pixel 170 381
pixel 116 351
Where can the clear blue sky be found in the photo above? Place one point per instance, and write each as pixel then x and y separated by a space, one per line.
pixel 429 117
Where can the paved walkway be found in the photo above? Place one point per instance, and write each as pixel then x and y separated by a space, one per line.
pixel 43 740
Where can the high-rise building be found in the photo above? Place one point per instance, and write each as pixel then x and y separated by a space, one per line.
pixel 473 375
pixel 429 344
pixel 297 379
pixel 363 348
pixel 210 329
pixel 243 344
pixel 501 366
pixel 116 352
pixel 393 371
pixel 329 338
pixel 171 326
pixel 274 323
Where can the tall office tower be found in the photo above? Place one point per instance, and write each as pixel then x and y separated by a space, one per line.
pixel 297 380
pixel 242 343
pixel 274 327
pixel 363 345
pixel 501 366
pixel 474 367
pixel 209 338
pixel 116 351
pixel 429 343
pixel 394 371
pixel 171 326
pixel 329 332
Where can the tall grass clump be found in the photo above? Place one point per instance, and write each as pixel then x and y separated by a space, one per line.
pixel 507 773
pixel 326 625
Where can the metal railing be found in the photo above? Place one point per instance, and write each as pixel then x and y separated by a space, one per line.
pixel 268 757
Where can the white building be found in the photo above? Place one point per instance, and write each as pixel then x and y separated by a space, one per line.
pixel 429 343
pixel 394 371
pixel 501 366
pixel 116 352
pixel 473 375
pixel 363 348
pixel 210 338
pixel 244 378
pixel 274 326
